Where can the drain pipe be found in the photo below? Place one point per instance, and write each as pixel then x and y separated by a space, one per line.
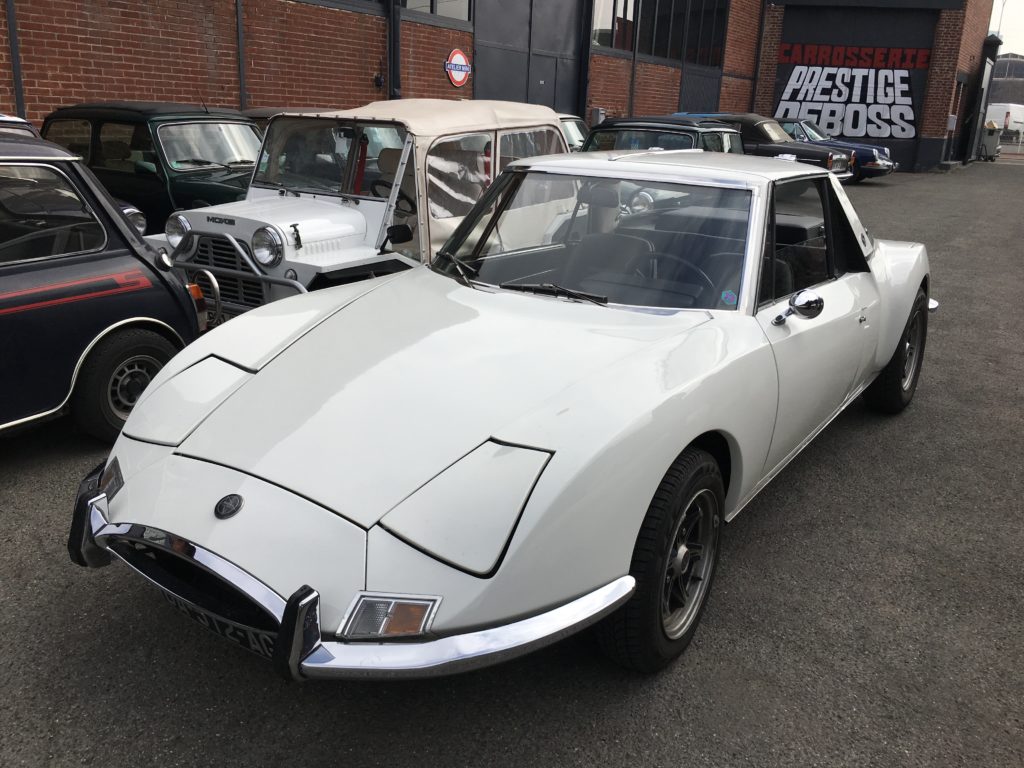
pixel 243 96
pixel 394 49
pixel 757 56
pixel 12 37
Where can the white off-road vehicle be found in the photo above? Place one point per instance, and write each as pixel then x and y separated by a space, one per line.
pixel 343 196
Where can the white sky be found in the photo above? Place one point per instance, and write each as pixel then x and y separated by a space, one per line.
pixel 1013 25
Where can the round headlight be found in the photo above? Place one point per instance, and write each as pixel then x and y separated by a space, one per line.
pixel 176 228
pixel 267 247
pixel 137 218
pixel 642 201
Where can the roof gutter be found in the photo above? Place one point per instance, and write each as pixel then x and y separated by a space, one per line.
pixel 12 38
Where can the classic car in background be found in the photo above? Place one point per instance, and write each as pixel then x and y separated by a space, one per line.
pixel 575 131
pixel 261 115
pixel 605 391
pixel 86 320
pixel 16 126
pixel 160 157
pixel 764 136
pixel 866 160
pixel 342 196
pixel 663 133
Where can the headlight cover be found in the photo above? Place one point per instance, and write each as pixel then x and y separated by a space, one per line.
pixel 176 228
pixel 267 247
pixel 466 515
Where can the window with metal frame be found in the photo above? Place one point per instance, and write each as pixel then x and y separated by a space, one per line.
pixel 74 135
pixel 452 9
pixel 802 256
pixel 43 216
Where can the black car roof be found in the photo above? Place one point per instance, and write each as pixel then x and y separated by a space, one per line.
pixel 741 117
pixel 30 148
pixel 142 110
pixel 662 121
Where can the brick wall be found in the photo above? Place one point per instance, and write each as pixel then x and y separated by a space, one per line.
pixel 609 85
pixel 296 54
pixel 425 49
pixel 939 94
pixel 304 55
pixel 739 62
pixel 657 89
pixel 764 93
pixel 167 50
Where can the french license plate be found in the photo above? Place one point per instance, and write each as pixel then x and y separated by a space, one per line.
pixel 259 642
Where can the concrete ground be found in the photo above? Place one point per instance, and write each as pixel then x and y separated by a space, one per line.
pixel 867 609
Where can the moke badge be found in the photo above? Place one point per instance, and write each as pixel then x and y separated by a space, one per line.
pixel 228 506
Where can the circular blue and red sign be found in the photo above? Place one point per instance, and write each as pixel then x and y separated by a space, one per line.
pixel 458 68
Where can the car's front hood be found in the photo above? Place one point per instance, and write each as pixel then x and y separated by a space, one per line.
pixel 862 150
pixel 317 220
pixel 379 398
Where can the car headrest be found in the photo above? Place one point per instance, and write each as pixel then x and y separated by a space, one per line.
pixel 600 197
pixel 387 161
pixel 116 150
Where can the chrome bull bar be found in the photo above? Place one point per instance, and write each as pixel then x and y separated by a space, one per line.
pixel 211 272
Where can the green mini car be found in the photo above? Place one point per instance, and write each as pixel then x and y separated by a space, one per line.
pixel 161 157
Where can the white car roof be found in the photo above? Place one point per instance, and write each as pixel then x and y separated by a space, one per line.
pixel 706 166
pixel 12 119
pixel 437 117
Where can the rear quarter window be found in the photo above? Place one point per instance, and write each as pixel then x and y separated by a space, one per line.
pixel 74 135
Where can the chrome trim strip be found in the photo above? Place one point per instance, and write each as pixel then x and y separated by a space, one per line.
pixel 459 653
pixel 81 360
pixel 253 588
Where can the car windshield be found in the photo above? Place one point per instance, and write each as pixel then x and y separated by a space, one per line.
pixel 201 145
pixel 578 238
pixel 326 156
pixel 774 131
pixel 814 133
pixel 575 132
pixel 637 138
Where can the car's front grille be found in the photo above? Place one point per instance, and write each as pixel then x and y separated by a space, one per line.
pixel 239 293
pixel 178 574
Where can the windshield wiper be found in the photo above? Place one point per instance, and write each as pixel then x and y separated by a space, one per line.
pixel 285 189
pixel 551 289
pixel 202 161
pixel 463 268
pixel 233 163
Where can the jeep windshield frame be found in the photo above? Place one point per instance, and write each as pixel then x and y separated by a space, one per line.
pixel 328 156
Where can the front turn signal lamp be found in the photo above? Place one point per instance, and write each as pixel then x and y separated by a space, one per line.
pixel 375 616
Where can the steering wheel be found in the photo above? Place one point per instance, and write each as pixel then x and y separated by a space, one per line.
pixel 409 203
pixel 708 282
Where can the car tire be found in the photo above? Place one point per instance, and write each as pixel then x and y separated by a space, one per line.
pixel 672 582
pixel 113 377
pixel 894 388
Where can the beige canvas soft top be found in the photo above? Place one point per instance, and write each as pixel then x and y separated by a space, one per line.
pixel 440 117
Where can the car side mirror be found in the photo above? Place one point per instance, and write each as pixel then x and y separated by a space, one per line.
pixel 399 233
pixel 806 304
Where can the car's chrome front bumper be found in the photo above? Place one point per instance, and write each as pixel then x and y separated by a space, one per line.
pixel 295 642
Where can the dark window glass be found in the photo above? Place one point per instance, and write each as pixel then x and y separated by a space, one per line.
pixel 73 135
pixel 453 9
pixel 41 216
pixel 645 35
pixel 638 139
pixel 706 32
pixel 126 147
pixel 801 240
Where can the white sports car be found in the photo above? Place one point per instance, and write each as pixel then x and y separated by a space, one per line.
pixel 544 429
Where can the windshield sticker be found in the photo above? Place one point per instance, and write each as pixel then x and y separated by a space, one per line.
pixel 729 297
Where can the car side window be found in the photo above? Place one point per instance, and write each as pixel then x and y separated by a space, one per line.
pixel 43 216
pixel 458 172
pixel 801 256
pixel 126 148
pixel 74 135
pixel 515 145
pixel 712 142
pixel 733 143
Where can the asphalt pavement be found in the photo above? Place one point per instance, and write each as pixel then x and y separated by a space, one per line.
pixel 867 609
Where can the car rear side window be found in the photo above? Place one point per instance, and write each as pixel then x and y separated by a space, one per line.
pixel 516 145
pixel 126 148
pixel 74 135
pixel 43 216
pixel 458 172
pixel 639 139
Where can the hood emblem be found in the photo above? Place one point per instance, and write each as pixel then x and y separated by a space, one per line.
pixel 228 506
